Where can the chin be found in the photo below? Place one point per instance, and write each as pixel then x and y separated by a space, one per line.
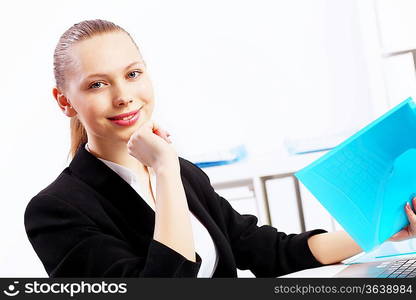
pixel 126 137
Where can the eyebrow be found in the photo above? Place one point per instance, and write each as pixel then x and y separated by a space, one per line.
pixel 104 75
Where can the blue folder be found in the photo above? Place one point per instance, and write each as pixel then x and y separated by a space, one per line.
pixel 228 157
pixel 365 182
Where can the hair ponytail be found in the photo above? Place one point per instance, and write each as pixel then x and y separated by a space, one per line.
pixel 78 135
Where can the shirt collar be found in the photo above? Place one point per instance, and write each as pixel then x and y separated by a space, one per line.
pixel 122 171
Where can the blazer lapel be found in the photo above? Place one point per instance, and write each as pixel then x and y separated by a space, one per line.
pixel 132 212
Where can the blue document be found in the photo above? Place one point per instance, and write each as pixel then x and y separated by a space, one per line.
pixel 365 182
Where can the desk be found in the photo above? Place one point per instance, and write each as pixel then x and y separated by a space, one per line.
pixel 330 271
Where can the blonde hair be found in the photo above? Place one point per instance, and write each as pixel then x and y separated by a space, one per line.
pixel 62 60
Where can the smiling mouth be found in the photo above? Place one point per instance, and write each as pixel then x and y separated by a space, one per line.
pixel 126 116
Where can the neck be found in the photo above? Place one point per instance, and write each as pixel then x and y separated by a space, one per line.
pixel 116 151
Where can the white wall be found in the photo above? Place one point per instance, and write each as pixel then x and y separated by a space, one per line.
pixel 224 71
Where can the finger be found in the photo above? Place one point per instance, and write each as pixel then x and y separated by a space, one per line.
pixel 414 203
pixel 157 129
pixel 409 230
pixel 167 135
pixel 160 133
pixel 412 219
pixel 410 214
pixel 156 126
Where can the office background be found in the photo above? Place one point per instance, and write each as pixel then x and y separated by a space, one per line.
pixel 258 73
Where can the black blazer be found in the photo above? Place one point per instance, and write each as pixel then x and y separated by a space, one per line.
pixel 90 223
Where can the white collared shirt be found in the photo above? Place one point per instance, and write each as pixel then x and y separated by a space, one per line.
pixel 204 245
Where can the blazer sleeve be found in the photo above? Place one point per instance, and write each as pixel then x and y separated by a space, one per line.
pixel 70 244
pixel 263 250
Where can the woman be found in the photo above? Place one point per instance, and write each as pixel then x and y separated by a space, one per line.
pixel 127 206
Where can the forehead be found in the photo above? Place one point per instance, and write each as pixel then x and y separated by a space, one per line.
pixel 104 53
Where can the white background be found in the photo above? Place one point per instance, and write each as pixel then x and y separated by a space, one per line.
pixel 224 72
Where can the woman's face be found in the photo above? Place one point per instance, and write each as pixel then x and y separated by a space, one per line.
pixel 108 78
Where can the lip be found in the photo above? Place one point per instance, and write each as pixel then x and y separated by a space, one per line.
pixel 123 115
pixel 128 122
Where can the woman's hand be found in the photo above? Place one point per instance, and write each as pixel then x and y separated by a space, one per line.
pixel 150 144
pixel 410 230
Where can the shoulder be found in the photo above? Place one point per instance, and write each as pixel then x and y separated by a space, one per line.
pixel 62 186
pixel 196 179
pixel 192 172
pixel 65 193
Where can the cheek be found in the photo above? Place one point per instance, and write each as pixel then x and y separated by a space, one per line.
pixel 150 107
pixel 148 110
pixel 146 96
pixel 93 114
pixel 145 91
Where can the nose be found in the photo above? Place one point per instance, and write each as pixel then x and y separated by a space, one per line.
pixel 123 101
pixel 121 94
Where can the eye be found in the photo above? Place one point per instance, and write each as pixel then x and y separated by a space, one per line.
pixel 95 85
pixel 135 74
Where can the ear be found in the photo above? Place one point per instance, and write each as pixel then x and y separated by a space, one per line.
pixel 63 103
